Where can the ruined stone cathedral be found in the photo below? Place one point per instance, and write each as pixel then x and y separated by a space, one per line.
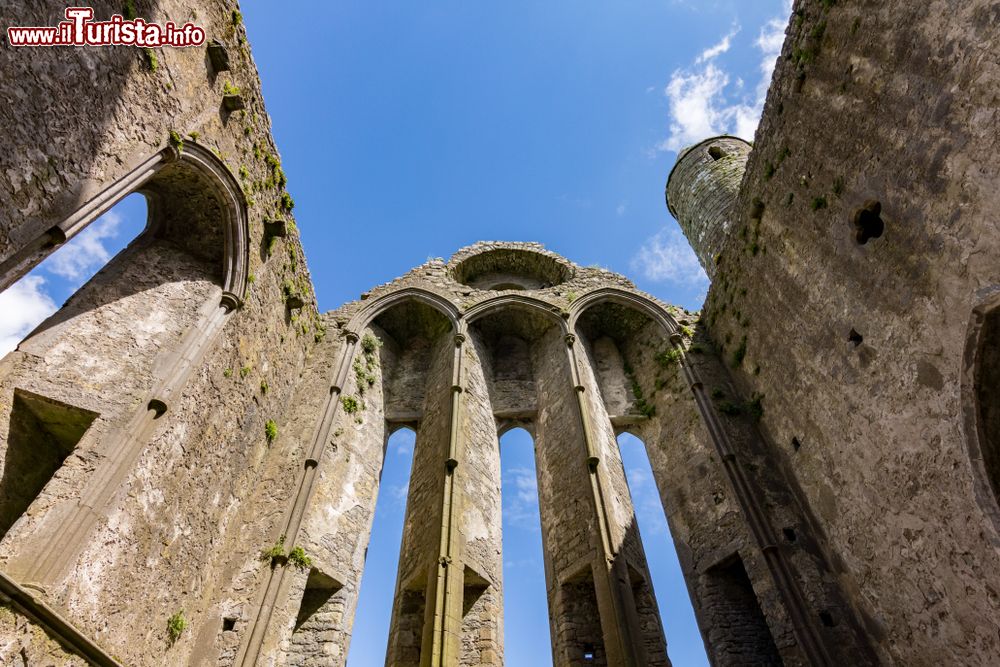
pixel 192 453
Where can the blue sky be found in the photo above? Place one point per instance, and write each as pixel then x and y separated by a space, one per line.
pixel 409 130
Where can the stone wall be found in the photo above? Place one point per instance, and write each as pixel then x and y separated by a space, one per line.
pixel 25 643
pixel 845 297
pixel 173 528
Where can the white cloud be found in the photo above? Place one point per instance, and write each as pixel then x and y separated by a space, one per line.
pixel 398 493
pixel 24 305
pixel 650 513
pixel 85 253
pixel 520 488
pixel 703 103
pixel 621 208
pixel 667 257
pixel 698 108
pixel 637 479
pixel 718 49
pixel 404 447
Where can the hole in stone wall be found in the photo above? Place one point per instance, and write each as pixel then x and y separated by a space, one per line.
pixel 475 585
pixel 827 619
pixel 158 407
pixel 789 534
pixel 716 152
pixel 736 624
pixel 868 222
pixel 855 337
pixel 228 624
pixel 796 444
pixel 407 634
pixel 479 634
pixel 579 624
pixel 43 432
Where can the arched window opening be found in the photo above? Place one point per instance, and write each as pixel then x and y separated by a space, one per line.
pixel 38 295
pixel 130 337
pixel 374 611
pixel 685 645
pixel 147 298
pixel 987 386
pixel 526 620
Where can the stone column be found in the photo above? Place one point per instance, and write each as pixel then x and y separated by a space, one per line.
pixel 636 612
pixel 584 525
pixel 419 613
pixel 276 579
pixel 479 522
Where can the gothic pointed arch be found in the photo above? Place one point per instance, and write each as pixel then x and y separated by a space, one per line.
pixel 373 309
pixel 194 200
pixel 630 300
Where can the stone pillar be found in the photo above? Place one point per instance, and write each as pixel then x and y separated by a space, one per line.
pixel 479 523
pixel 585 522
pixel 701 193
pixel 419 618
pixel 636 612
pixel 277 580
pixel 448 603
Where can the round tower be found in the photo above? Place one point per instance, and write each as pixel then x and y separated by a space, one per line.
pixel 701 193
